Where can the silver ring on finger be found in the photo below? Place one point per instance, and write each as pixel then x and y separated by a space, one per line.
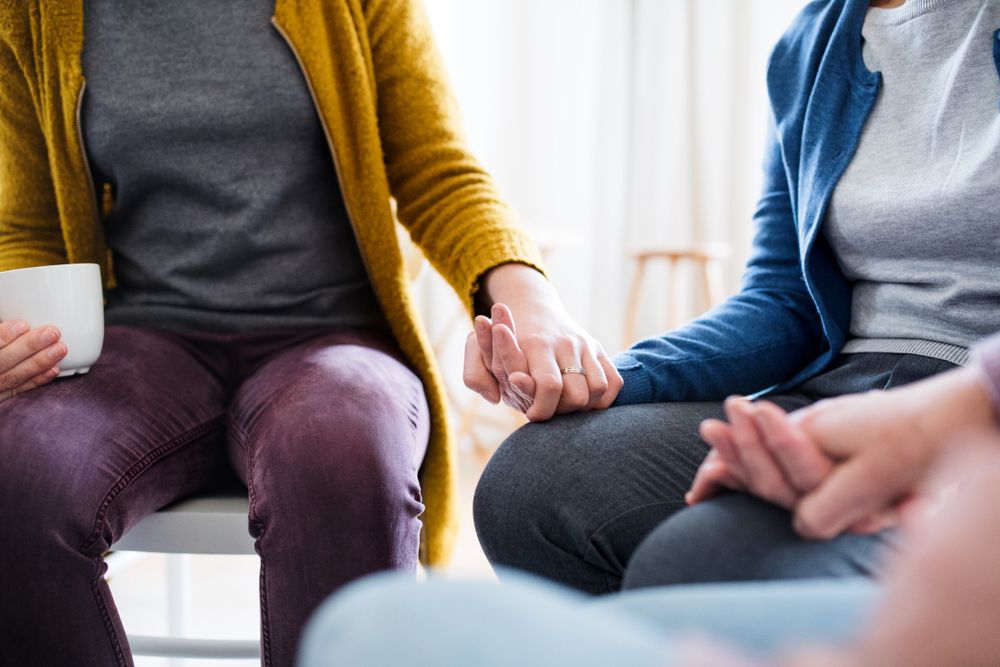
pixel 573 370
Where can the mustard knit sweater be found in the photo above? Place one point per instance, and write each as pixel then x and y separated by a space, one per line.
pixel 384 101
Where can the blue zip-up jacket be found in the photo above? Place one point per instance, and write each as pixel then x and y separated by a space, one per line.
pixel 792 314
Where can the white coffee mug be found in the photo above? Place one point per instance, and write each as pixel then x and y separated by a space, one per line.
pixel 67 296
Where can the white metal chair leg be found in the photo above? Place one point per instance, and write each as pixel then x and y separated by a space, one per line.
pixel 178 597
pixel 185 647
pixel 212 524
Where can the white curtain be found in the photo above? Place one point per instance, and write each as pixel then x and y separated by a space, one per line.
pixel 612 125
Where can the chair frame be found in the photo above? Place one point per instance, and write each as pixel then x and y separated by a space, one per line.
pixel 212 524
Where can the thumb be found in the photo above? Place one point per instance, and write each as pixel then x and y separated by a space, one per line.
pixel 524 385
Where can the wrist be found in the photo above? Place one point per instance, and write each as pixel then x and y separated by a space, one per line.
pixel 987 357
pixel 516 285
pixel 959 405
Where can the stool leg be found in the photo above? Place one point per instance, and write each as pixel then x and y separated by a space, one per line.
pixel 632 307
pixel 178 597
pixel 674 294
pixel 713 276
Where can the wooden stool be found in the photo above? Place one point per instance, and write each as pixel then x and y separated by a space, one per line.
pixel 705 257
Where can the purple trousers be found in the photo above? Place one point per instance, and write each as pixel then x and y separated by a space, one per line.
pixel 327 429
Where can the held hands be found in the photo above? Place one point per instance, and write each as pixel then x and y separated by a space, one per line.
pixel 535 364
pixel 849 463
pixel 28 357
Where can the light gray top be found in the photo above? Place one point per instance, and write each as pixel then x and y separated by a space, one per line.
pixel 915 220
pixel 228 213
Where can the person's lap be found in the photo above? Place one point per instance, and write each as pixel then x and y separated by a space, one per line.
pixel 329 436
pixel 84 459
pixel 87 457
pixel 573 499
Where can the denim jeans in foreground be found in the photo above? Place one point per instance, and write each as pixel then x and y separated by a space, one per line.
pixel 389 620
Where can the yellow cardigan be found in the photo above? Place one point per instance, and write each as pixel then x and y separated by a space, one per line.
pixel 383 98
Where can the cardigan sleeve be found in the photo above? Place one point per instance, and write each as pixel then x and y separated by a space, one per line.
pixel 445 199
pixel 987 355
pixel 30 234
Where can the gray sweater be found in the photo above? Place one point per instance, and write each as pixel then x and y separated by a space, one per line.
pixel 228 214
pixel 915 220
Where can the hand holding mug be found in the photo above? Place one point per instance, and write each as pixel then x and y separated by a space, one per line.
pixel 51 324
pixel 29 358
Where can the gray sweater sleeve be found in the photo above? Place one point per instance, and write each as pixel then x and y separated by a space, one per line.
pixel 987 354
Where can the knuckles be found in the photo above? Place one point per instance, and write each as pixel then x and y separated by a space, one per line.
pixel 8 381
pixel 549 383
pixel 473 381
pixel 599 388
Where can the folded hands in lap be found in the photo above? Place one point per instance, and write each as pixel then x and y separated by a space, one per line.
pixel 850 463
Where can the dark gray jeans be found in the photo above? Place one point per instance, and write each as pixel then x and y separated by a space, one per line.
pixel 596 500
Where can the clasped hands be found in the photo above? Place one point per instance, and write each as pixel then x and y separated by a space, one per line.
pixel 543 365
pixel 854 463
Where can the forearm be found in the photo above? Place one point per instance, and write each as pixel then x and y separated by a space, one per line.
pixel 753 341
pixel 955 406
pixel 448 203
pixel 963 403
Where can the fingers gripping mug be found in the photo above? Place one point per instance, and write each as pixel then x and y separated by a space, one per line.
pixel 67 296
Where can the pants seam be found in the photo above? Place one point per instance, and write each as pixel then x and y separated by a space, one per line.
pixel 591 549
pixel 259 528
pixel 116 644
pixel 138 468
pixel 123 481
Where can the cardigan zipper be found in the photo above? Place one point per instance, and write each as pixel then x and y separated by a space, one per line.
pixel 329 142
pixel 83 152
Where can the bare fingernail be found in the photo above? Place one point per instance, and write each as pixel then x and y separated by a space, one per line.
pixel 21 327
pixel 49 336
pixel 57 351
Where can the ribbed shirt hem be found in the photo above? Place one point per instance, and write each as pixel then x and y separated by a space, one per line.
pixel 898 15
pixel 955 354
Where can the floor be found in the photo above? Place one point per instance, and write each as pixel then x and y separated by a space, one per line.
pixel 223 592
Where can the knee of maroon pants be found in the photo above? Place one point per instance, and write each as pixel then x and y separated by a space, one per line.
pixel 336 467
pixel 340 471
pixel 51 554
pixel 334 497
pixel 48 500
pixel 329 436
